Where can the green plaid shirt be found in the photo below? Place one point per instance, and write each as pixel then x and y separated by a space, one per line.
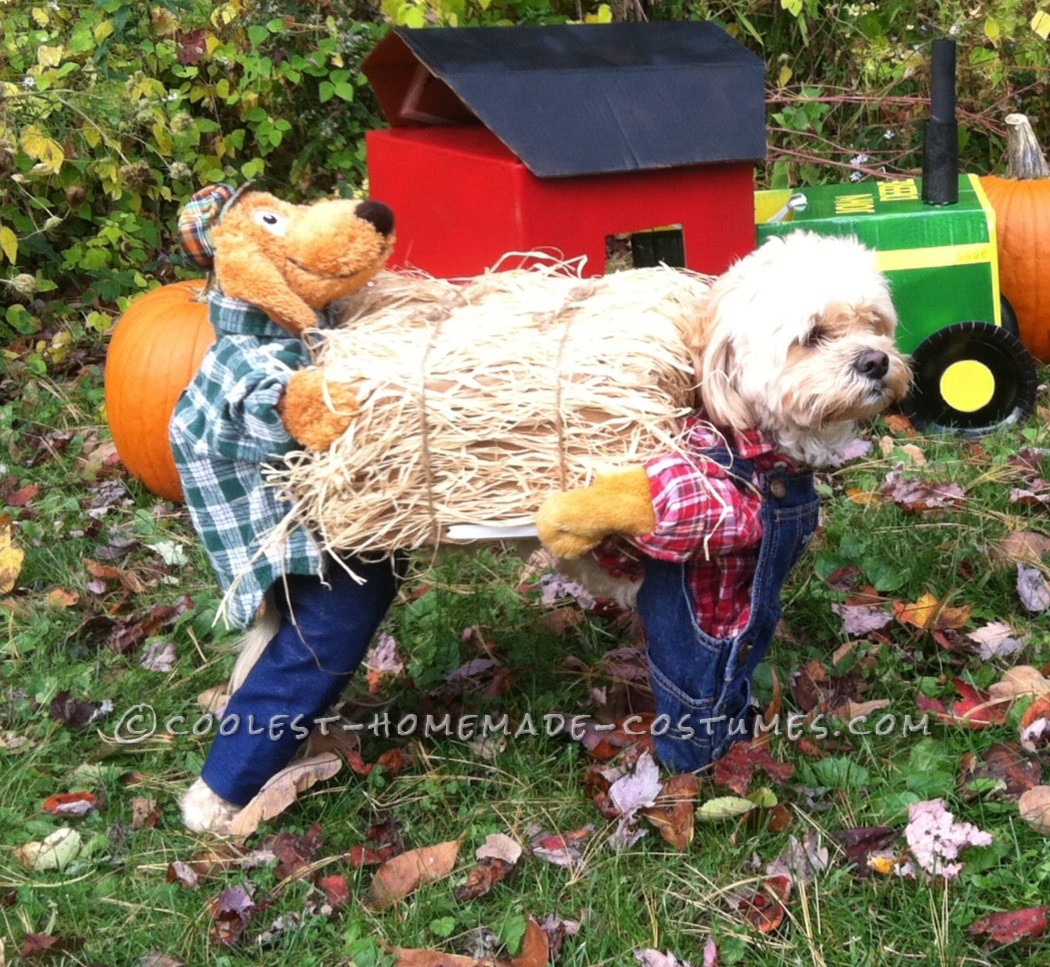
pixel 225 428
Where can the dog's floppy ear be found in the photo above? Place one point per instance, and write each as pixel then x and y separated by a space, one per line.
pixel 711 345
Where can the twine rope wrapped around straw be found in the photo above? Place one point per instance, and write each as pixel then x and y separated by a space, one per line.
pixel 478 399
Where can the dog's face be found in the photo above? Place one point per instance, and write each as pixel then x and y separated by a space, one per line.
pixel 797 341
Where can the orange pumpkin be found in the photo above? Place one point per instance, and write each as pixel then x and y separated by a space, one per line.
pixel 155 351
pixel 1022 212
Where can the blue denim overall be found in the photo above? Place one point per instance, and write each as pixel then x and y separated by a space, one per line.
pixel 326 627
pixel 702 684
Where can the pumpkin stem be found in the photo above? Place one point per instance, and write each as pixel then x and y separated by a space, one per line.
pixel 210 285
pixel 1024 157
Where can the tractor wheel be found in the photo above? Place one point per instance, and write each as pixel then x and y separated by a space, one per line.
pixel 1010 323
pixel 971 378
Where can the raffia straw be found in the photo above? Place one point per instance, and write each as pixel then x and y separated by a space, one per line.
pixel 478 399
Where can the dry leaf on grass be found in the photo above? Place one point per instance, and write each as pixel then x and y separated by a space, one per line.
pixel 1033 588
pixel 929 613
pixel 978 709
pixel 282 790
pixel 1034 806
pixel 54 852
pixel 535 952
pixel 402 875
pixel 1004 765
pixel 11 557
pixel 673 812
pixel 496 861
pixel 1035 725
pixel 214 699
pixel 1022 547
pixel 1020 681
pixel 1012 925
pixel 70 804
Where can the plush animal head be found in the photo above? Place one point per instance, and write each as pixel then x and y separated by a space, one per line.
pixel 797 341
pixel 287 260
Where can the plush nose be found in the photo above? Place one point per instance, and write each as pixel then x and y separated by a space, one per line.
pixel 381 217
pixel 873 363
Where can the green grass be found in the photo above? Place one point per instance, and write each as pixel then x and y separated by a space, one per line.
pixel 114 904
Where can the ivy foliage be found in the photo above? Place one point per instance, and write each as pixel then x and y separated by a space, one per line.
pixel 113 112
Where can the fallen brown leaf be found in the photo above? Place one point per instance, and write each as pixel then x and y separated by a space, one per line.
pixel 736 768
pixel 673 812
pixel 1005 763
pixel 1023 547
pixel 1012 925
pixel 928 613
pixel 70 804
pixel 283 790
pixel 336 890
pixel 230 911
pixel 1020 681
pixel 978 709
pixel 1034 806
pixel 402 875
pixel 144 812
pixel 765 909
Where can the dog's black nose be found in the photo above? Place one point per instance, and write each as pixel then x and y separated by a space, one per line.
pixel 873 363
pixel 378 214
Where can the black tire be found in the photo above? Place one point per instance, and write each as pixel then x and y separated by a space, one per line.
pixel 1010 323
pixel 998 360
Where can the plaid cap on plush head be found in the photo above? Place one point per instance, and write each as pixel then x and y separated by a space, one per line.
pixel 199 217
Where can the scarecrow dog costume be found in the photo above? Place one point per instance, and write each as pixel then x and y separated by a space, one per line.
pixel 789 348
pixel 277 268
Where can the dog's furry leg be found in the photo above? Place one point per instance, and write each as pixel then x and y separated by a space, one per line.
pixel 253 644
pixel 205 811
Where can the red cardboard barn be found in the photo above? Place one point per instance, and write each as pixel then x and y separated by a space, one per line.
pixel 518 138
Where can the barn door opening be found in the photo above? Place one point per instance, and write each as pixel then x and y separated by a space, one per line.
pixel 636 250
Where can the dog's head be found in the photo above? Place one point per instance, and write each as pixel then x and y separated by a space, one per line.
pixel 797 340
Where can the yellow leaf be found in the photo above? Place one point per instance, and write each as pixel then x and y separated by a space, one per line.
pixel 211 42
pixel 785 75
pixel 793 7
pixel 8 243
pixel 225 14
pixel 103 30
pixel 603 16
pixel 38 145
pixel 164 143
pixel 1041 23
pixel 11 557
pixel 49 56
pixel 929 613
pixel 41 16
pixel 992 30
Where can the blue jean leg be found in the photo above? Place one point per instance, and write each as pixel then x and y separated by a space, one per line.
pixel 324 634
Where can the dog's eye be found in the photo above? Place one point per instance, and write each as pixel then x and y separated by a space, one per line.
pixel 271 221
pixel 814 337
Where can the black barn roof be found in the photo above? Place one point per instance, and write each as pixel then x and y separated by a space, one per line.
pixel 581 99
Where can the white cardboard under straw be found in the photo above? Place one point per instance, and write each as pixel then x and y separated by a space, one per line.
pixel 480 398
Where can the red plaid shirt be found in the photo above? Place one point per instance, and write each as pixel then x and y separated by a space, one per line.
pixel 707 519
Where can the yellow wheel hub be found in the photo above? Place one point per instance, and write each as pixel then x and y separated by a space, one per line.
pixel 967 385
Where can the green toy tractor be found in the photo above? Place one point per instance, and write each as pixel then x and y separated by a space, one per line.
pixel 972 374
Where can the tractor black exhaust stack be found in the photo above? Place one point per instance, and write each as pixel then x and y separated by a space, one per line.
pixel 940 162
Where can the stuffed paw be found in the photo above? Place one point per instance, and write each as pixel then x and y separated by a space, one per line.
pixel 572 523
pixel 316 412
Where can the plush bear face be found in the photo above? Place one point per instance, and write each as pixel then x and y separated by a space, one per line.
pixel 290 260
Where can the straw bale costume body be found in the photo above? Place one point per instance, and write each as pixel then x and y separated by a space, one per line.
pixel 719 527
pixel 278 266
